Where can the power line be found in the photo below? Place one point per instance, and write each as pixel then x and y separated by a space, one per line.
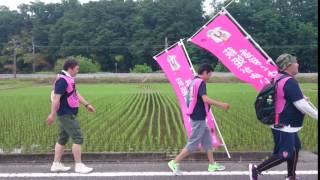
pixel 291 46
pixel 161 45
pixel 41 46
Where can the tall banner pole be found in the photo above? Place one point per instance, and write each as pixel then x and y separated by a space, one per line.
pixel 231 3
pixel 224 11
pixel 254 42
pixel 216 125
pixel 249 36
pixel 177 66
pixel 234 47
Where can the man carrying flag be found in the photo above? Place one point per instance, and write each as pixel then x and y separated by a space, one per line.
pixel 295 106
pixel 198 110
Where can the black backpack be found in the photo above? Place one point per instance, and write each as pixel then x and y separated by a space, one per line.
pixel 265 103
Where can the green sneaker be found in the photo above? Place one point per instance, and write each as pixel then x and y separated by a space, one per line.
pixel 174 166
pixel 216 167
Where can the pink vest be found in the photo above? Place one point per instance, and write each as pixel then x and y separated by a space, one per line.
pixel 194 96
pixel 280 98
pixel 72 97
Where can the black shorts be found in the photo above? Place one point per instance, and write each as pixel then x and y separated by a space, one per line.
pixel 285 143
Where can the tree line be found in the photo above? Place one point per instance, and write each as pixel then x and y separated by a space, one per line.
pixel 121 34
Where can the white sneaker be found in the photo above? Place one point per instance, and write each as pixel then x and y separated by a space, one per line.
pixel 81 168
pixel 59 167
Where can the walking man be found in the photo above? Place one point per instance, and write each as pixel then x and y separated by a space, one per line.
pixel 65 103
pixel 198 110
pixel 291 115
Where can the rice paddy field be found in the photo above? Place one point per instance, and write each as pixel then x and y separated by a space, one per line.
pixel 136 118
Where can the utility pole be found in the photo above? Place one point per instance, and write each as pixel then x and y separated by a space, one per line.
pixel 14 58
pixel 33 57
pixel 166 42
pixel 116 67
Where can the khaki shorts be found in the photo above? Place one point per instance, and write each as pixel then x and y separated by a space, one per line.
pixel 69 127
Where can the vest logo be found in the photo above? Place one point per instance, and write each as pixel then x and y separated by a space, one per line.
pixel 285 154
pixel 175 66
pixel 218 35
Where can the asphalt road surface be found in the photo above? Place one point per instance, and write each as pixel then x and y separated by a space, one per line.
pixel 307 170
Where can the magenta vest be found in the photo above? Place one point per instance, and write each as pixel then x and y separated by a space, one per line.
pixel 194 89
pixel 280 99
pixel 72 97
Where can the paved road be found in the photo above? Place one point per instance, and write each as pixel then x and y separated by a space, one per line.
pixel 155 171
pixel 307 170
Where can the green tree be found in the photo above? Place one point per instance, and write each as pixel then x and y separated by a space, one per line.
pixel 136 30
pixel 282 26
pixel 86 65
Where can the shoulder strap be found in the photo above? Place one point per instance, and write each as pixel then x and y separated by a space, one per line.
pixel 63 76
pixel 279 105
pixel 282 77
pixel 192 82
pixel 276 80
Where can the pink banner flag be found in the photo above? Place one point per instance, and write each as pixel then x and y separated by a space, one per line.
pixel 175 65
pixel 223 38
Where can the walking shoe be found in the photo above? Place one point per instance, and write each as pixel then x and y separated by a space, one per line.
pixel 59 167
pixel 253 173
pixel 216 167
pixel 175 167
pixel 81 168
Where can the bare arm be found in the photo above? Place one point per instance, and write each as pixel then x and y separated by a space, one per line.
pixel 82 100
pixel 89 107
pixel 218 104
pixel 55 103
pixel 54 108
